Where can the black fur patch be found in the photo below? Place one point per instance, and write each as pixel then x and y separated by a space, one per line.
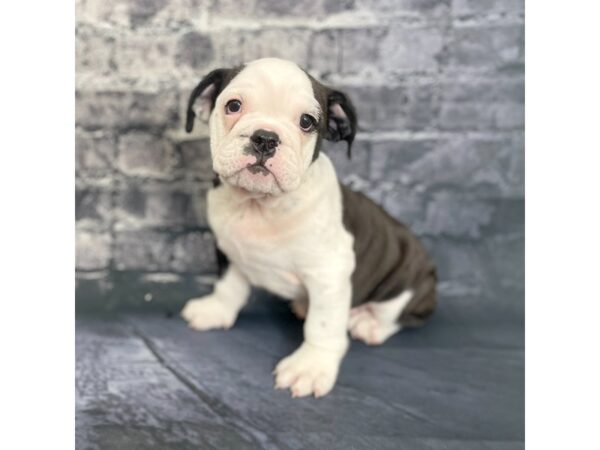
pixel 330 126
pixel 389 259
pixel 220 78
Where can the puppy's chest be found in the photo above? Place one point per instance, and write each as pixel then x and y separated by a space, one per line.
pixel 260 248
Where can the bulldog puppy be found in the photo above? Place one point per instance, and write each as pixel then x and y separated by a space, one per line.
pixel 284 223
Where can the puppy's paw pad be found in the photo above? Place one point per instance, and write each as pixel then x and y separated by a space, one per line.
pixel 308 371
pixel 207 313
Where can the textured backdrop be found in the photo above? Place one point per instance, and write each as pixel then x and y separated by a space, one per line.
pixel 439 90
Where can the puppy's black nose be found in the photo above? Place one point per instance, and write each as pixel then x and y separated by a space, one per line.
pixel 264 142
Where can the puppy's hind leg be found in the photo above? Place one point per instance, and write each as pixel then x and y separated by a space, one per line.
pixel 375 322
pixel 299 307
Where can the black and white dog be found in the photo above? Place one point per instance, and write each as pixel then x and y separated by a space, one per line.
pixel 284 222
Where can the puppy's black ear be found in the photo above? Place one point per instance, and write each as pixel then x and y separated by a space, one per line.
pixel 203 97
pixel 341 119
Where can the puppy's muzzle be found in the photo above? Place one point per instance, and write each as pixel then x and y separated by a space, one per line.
pixel 264 144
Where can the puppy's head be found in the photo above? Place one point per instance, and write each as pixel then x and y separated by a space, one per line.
pixel 266 121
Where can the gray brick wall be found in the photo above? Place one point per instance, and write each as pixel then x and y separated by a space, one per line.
pixel 439 89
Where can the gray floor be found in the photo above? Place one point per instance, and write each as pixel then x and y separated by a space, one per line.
pixel 146 381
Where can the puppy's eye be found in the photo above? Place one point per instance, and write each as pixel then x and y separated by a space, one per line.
pixel 307 122
pixel 233 106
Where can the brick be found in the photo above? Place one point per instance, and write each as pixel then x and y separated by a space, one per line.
pixel 94 51
pixel 238 46
pixel 324 52
pixel 195 50
pixel 486 90
pixel 448 214
pixel 395 108
pixel 126 108
pixel 228 49
pixel 195 253
pixel 143 250
pixel 194 159
pixel 93 206
pixel 391 158
pixel 406 205
pixel 97 11
pixel 485 7
pixel 467 116
pixel 509 116
pixel 146 155
pixel 142 56
pixel 488 167
pixel 357 166
pixel 486 47
pixel 93 251
pixel 170 14
pixel 515 174
pixel 482 104
pixel 289 44
pixel 142 11
pixel 163 251
pixel 95 152
pixel 143 204
pixel 414 8
pixel 482 116
pixel 510 90
pixel 411 49
pixel 260 9
pixel 338 6
pixel 233 9
pixel 360 49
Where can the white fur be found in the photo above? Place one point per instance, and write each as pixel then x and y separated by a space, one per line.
pixel 374 322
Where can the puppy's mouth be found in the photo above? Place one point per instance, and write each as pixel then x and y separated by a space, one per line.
pixel 257 168
pixel 254 168
pixel 260 168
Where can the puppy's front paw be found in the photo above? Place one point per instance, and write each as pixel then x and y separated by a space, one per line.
pixel 208 313
pixel 309 370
